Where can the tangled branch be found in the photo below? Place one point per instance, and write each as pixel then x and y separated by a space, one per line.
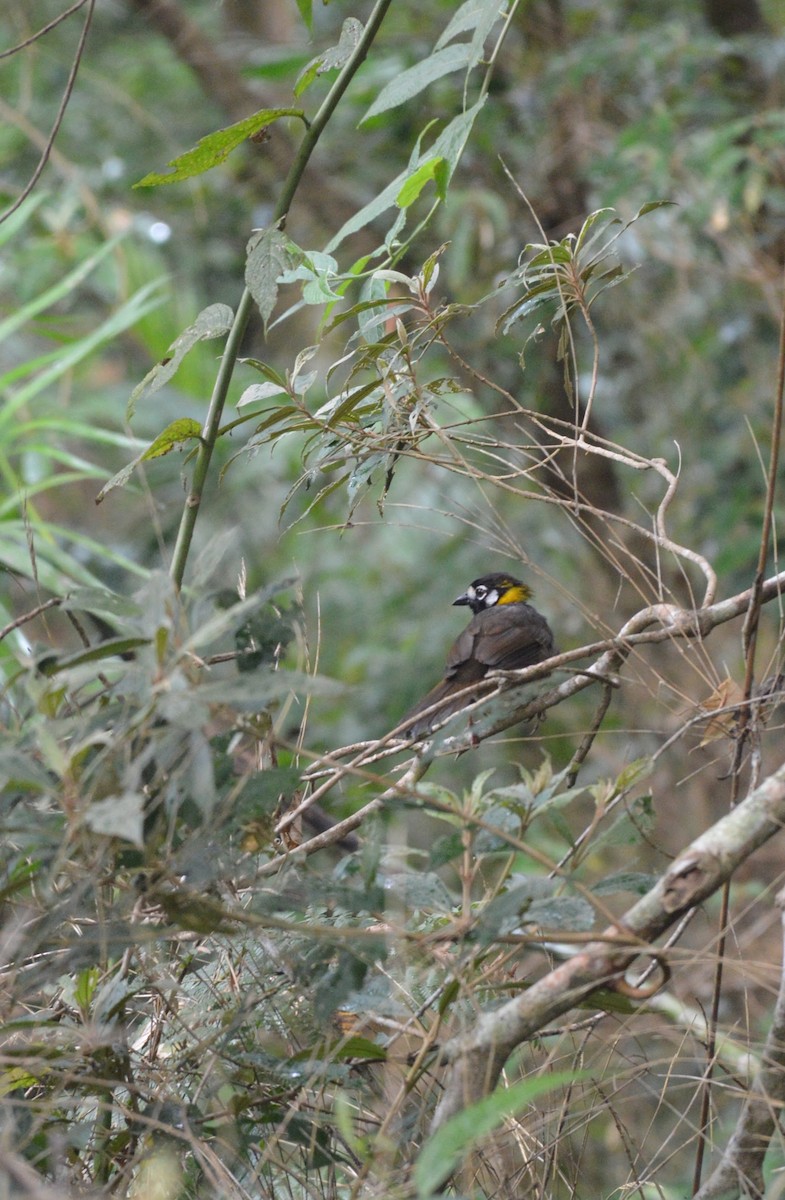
pixel 477 1057
pixel 511 707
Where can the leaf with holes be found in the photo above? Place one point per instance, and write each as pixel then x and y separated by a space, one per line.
pixel 175 434
pixel 213 149
pixel 333 58
pixel 212 322
pixel 269 254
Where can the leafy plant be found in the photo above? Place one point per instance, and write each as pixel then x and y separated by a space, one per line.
pixel 212 985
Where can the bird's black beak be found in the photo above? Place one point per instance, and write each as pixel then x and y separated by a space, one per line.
pixel 464 599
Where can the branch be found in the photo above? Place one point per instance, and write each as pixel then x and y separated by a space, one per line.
pixel 672 622
pixel 740 1170
pixel 66 96
pixel 478 1056
pixel 50 25
pixel 492 715
pixel 29 616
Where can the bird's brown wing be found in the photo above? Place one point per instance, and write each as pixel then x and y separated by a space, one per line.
pixel 503 638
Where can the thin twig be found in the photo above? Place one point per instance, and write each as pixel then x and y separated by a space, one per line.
pixel 749 639
pixel 580 754
pixel 740 1170
pixel 43 30
pixel 65 98
pixel 477 1057
pixel 495 714
pixel 55 602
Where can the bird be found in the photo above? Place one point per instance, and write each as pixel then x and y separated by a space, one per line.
pixel 504 634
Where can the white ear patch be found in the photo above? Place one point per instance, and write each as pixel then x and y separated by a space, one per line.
pixel 491 598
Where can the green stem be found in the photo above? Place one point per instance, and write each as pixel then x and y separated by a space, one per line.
pixel 234 339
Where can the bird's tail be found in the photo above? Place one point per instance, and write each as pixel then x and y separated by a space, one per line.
pixel 414 725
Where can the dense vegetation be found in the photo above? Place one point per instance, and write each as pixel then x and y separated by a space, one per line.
pixel 424 292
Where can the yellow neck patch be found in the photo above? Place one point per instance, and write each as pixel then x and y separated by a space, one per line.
pixel 515 595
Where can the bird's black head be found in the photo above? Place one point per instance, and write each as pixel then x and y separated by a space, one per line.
pixel 493 589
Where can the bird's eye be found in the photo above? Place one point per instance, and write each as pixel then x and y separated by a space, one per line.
pixel 481 591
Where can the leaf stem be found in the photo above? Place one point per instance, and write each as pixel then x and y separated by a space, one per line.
pixel 235 336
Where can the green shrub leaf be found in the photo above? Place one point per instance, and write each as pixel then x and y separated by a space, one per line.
pixel 213 149
pixel 409 83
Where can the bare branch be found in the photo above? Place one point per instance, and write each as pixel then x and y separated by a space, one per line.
pixel 499 712
pixel 50 141
pixel 478 1056
pixel 50 25
pixel 55 602
pixel 740 1170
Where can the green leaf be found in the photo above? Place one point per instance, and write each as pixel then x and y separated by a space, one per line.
pixel 109 998
pixel 629 828
pixel 85 986
pixel 259 392
pixel 69 283
pixel 445 849
pixel 226 621
pixel 141 303
pixel 509 910
pixel 112 648
pixel 637 882
pixel 639 768
pixel 499 820
pixel 434 168
pixel 333 58
pixel 318 271
pixel 448 997
pixel 269 253
pixel 346 1048
pixel 102 602
pixel 118 816
pixel 306 12
pixel 266 371
pixel 411 82
pixel 477 15
pixel 183 430
pixel 307 76
pixel 14 221
pixel 448 145
pixel 212 322
pixel 21 875
pixel 444 1150
pixel 652 206
pixel 213 149
pixel 561 912
pixel 422 890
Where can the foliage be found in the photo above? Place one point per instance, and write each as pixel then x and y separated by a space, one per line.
pixel 325 345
